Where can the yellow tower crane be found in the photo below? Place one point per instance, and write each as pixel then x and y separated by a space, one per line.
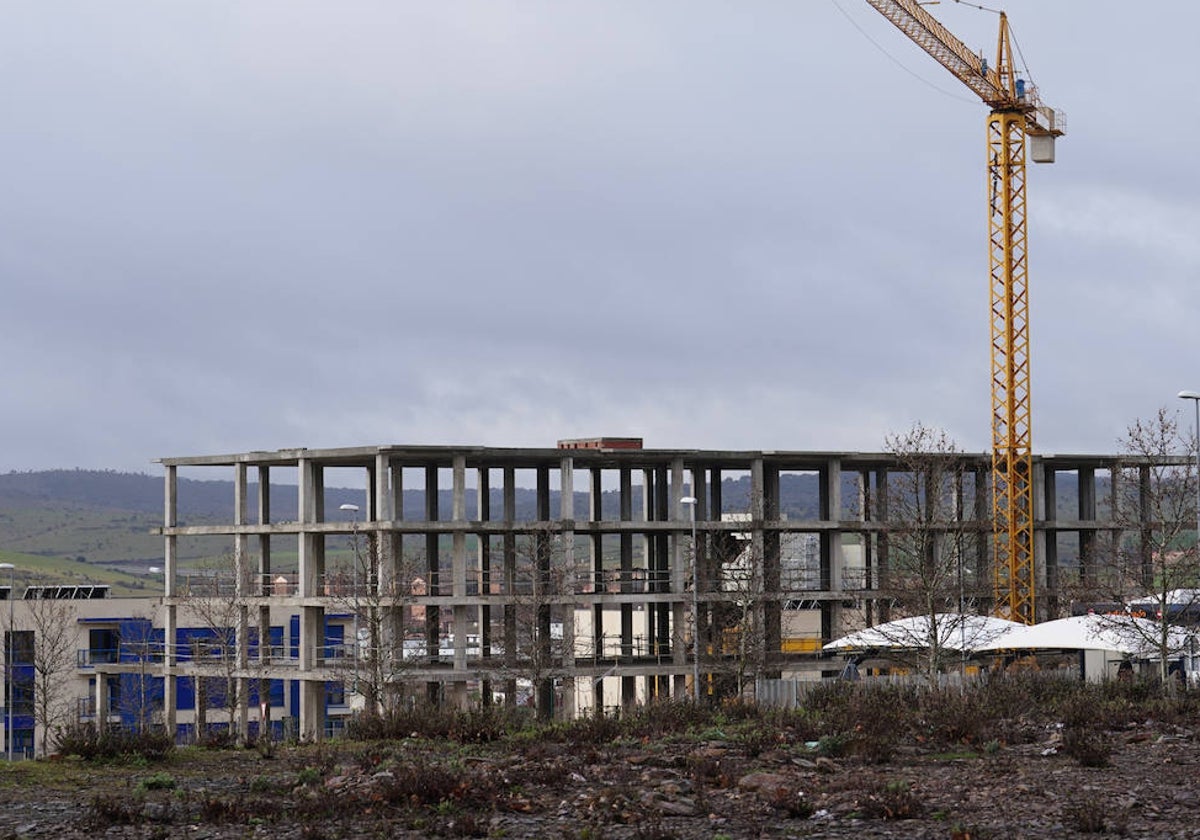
pixel 1016 112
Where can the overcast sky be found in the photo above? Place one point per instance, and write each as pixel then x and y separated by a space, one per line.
pixel 247 225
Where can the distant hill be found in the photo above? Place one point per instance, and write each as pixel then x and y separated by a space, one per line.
pixel 106 517
pixel 138 493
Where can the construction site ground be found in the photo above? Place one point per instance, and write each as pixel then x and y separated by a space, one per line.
pixel 674 788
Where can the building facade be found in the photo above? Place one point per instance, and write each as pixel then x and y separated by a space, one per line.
pixel 76 656
pixel 565 578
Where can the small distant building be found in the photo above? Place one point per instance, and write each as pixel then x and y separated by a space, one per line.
pixel 601 443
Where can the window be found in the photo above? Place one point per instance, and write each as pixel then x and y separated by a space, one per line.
pixel 335 694
pixel 103 643
pixel 22 699
pixel 21 647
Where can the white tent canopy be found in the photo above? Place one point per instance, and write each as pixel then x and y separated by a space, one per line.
pixel 1174 597
pixel 955 631
pixel 1121 633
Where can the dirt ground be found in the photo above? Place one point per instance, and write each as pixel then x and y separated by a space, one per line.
pixel 654 791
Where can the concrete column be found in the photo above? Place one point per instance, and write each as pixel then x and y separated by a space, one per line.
pixel 510 577
pixel 241 630
pixel 264 540
pixel 983 569
pixel 542 586
pixel 1041 595
pixel 433 617
pixel 772 626
pixel 264 684
pixel 758 504
pixel 680 563
pixel 628 684
pixel 101 702
pixel 170 520
pixel 462 613
pixel 383 510
pixel 170 564
pixel 312 710
pixel 483 551
pixel 312 618
pixel 312 637
pixel 458 560
pixel 832 562
pixel 702 574
pixel 262 586
pixel 241 725
pixel 401 570
pixel 680 559
pixel 170 680
pixel 881 555
pixel 309 560
pixel 1050 539
pixel 240 540
pixel 312 686
pixel 397 495
pixel 571 580
pixel 1087 514
pixel 596 561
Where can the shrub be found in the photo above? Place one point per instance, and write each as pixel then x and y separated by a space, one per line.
pixel 832 746
pixel 1091 815
pixel 793 803
pixel 597 729
pixel 894 800
pixel 473 726
pixel 308 776
pixel 666 717
pixel 1087 746
pixel 90 743
pixel 105 811
pixel 157 781
pixel 954 717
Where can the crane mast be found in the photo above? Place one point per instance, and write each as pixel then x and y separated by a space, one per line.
pixel 1016 112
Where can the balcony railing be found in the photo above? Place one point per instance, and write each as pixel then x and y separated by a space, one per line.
pixel 89 658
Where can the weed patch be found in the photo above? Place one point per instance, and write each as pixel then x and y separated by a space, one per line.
pixel 1088 746
pixel 90 743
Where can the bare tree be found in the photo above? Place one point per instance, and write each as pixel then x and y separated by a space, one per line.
pixel 53 623
pixel 1152 567
pixel 733 640
pixel 928 546
pixel 220 650
pixel 542 586
pixel 140 702
pixel 378 586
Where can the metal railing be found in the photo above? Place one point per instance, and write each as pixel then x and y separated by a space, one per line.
pixel 89 658
pixel 343 586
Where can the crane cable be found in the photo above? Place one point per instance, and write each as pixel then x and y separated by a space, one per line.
pixel 977 6
pixel 897 61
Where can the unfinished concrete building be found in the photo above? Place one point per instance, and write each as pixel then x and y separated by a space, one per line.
pixel 565 578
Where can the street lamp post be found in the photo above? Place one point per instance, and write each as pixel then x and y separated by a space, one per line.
pixel 1194 396
pixel 353 511
pixel 690 501
pixel 8 654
